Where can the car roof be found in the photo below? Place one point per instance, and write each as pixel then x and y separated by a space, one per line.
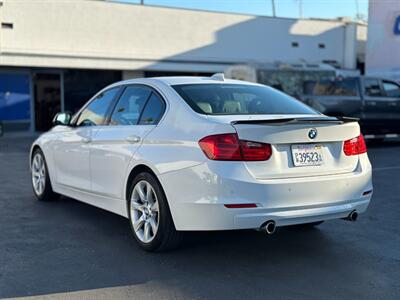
pixel 176 80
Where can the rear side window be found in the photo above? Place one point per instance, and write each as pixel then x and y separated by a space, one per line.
pixel 236 99
pixel 343 87
pixel 372 88
pixel 130 105
pixel 153 110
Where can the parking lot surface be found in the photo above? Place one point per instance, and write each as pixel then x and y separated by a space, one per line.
pixel 69 250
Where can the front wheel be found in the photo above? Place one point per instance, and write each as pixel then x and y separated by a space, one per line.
pixel 149 215
pixel 40 178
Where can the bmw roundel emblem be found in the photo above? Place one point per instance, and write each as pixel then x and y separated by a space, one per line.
pixel 312 134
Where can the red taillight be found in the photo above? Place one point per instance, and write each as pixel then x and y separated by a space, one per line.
pixel 229 147
pixel 221 147
pixel 355 146
pixel 254 151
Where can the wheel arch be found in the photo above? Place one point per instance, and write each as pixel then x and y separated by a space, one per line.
pixel 133 173
pixel 37 145
pixel 33 149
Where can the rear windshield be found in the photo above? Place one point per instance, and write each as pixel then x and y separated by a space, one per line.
pixel 327 87
pixel 234 99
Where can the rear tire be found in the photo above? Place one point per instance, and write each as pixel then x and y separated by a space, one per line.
pixel 40 178
pixel 149 215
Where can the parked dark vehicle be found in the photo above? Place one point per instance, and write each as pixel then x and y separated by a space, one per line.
pixel 376 102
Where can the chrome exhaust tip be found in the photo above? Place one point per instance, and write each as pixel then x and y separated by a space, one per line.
pixel 352 216
pixel 268 227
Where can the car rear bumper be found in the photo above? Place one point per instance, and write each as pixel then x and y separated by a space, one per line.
pixel 197 196
pixel 300 216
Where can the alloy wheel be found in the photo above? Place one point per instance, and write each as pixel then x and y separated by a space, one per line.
pixel 144 208
pixel 38 174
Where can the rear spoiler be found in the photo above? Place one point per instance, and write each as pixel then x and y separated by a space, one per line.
pixel 284 121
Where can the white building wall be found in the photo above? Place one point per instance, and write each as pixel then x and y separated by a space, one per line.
pixel 383 46
pixel 105 35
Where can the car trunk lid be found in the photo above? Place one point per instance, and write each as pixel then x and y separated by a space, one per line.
pixel 285 133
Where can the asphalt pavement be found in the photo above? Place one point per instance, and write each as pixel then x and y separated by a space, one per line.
pixel 69 250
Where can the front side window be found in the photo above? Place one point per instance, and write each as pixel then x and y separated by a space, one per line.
pixel 372 88
pixel 130 105
pixel 235 99
pixel 96 111
pixel 391 89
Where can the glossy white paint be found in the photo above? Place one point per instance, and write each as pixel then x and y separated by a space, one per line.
pixel 71 145
pixel 92 164
pixel 330 136
pixel 112 148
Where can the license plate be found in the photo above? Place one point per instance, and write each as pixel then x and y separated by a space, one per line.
pixel 307 155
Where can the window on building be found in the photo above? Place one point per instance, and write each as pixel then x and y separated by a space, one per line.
pixel 321 46
pixel 295 44
pixel 7 25
pixel 15 98
pixel 96 112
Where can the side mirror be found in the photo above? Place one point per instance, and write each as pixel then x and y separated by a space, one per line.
pixel 62 119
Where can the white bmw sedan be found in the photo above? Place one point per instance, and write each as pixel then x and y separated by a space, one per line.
pixel 178 154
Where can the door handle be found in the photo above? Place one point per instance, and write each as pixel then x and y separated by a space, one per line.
pixel 133 139
pixel 86 140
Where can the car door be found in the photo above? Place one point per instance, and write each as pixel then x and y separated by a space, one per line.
pixel 392 94
pixel 378 115
pixel 72 149
pixel 135 114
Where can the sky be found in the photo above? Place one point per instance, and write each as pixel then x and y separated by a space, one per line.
pixel 327 9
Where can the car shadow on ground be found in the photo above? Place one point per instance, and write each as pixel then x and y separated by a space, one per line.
pixel 65 246
pixel 78 247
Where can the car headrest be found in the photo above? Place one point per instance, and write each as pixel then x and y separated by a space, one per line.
pixel 231 107
pixel 205 106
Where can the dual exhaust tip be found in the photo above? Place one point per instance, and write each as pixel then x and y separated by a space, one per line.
pixel 269 227
pixel 352 216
